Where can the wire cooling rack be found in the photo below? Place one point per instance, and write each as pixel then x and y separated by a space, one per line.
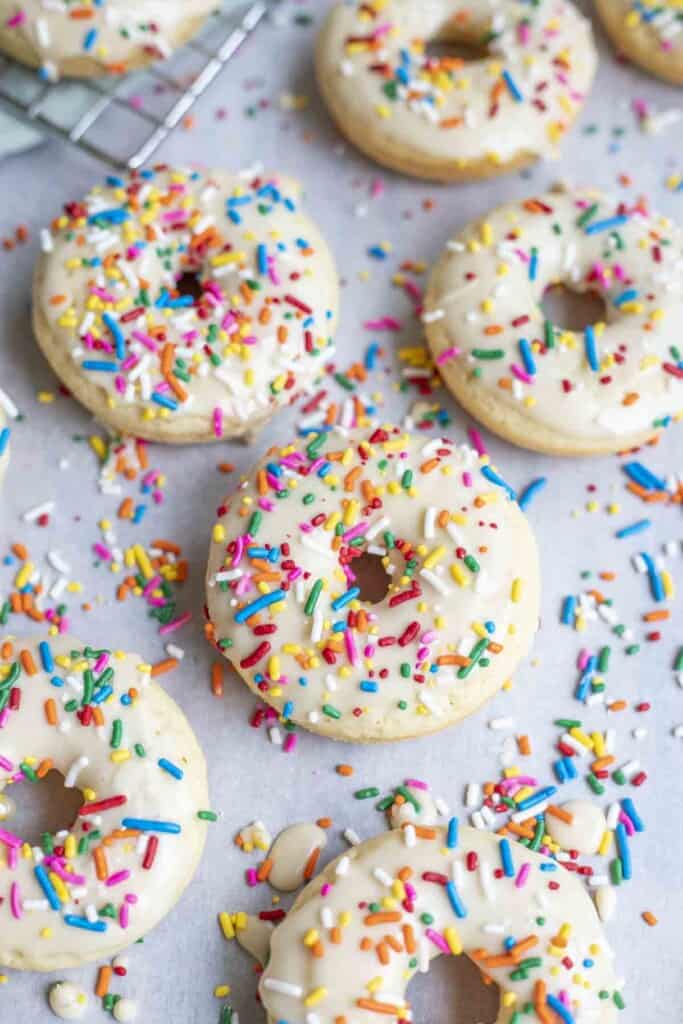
pixel 123 121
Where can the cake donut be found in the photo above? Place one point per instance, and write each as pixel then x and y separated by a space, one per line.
pixel 95 717
pixel 373 585
pixel 444 118
pixel 606 388
pixel 183 305
pixel 648 32
pixel 378 915
pixel 83 38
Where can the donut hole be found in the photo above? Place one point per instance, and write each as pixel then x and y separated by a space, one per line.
pixel 371 577
pixel 573 310
pixel 459 48
pixel 190 283
pixel 453 993
pixel 43 806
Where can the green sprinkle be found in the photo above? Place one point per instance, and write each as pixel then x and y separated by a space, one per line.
pixel 595 784
pixel 549 334
pixel 407 479
pixel 116 733
pixel 474 656
pixel 568 723
pixel 331 711
pixel 587 215
pixel 488 353
pixel 207 815
pixel 384 804
pixel 312 599
pixel 616 871
pixel 366 794
pixel 603 659
pixel 255 522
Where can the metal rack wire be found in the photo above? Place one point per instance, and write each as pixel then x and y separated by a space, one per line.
pixel 143 109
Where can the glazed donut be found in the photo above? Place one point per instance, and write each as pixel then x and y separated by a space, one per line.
pixel 648 32
pixel 373 585
pixel 95 717
pixel 96 37
pixel 185 306
pixel 361 930
pixel 439 117
pixel 607 388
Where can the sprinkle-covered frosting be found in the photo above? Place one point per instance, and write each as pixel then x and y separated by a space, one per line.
pixel 379 914
pixel 650 32
pixel 85 36
pixel 434 111
pixel 183 305
pixel 373 585
pixel 604 386
pixel 95 717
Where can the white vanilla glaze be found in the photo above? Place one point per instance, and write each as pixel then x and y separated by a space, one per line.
pixel 96 36
pixel 423 114
pixel 585 830
pixel 253 936
pixel 173 366
pixel 73 904
pixel 455 551
pixel 333 959
pixel 291 852
pixel 648 32
pixel 483 306
pixel 67 1001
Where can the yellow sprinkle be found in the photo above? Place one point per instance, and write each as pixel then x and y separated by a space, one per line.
pixel 315 996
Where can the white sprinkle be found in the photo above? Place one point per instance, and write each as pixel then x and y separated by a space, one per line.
pixel 409 836
pixel 351 837
pixel 37 511
pixel 342 867
pixel 502 723
pixel 473 794
pixel 57 562
pixel 285 988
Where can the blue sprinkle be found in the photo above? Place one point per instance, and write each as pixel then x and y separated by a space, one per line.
pixel 560 1009
pixel 344 599
pixel 628 296
pixel 570 767
pixel 624 852
pixel 165 401
pixel 656 585
pixel 506 858
pixel 90 39
pixel 117 216
pixel 630 810
pixel 495 478
pixel 591 348
pixel 606 225
pixel 47 886
pixel 530 492
pixel 171 768
pixel 82 922
pixel 527 356
pixel 148 825
pixel 513 88
pixel 368 686
pixel 533 264
pixel 629 531
pixel 99 366
pixel 262 259
pixel 536 798
pixel 261 602
pixel 46 656
pixel 452 834
pixel 456 903
pixel 641 475
pixel 4 439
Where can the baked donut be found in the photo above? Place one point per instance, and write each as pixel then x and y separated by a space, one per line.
pixel 373 585
pixel 439 117
pixel 95 717
pixel 648 32
pixel 180 305
pixel 378 915
pixel 84 38
pixel 615 384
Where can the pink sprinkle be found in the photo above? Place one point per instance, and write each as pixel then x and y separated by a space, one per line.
pixel 217 422
pixel 124 915
pixel 467 478
pixel 290 742
pixel 325 889
pixel 522 875
pixel 252 877
pixel 7 765
pixel 386 323
pixel 448 353
pixel 477 441
pixel 583 659
pixel 377 188
pixel 417 784
pixel 15 901
pixel 117 878
pixel 438 940
pixel 171 627
pixel 9 838
pixel 521 374
pixel 17 19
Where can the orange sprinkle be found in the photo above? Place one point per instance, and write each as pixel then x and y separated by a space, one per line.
pixel 324 823
pixel 558 812
pixel 45 766
pixel 217 679
pixel 649 918
pixel 309 867
pixel 265 869
pixel 101 866
pixel 524 745
pixel 617 705
pixel 661 615
pixel 51 711
pixel 344 769
pixel 371 1004
pixel 383 917
pixel 409 938
pixel 7 650
pixel 126 509
pixel 166 665
pixel 27 663
pixel 103 979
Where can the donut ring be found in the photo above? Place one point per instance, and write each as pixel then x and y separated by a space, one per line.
pixel 649 33
pixel 96 718
pixel 456 610
pixel 183 306
pixel 103 37
pixel 363 928
pixel 441 119
pixel 608 388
